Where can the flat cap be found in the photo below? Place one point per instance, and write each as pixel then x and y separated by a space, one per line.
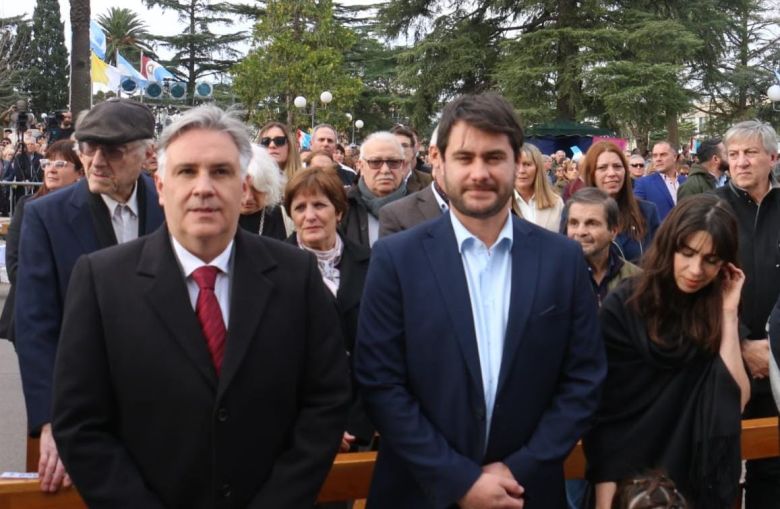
pixel 116 121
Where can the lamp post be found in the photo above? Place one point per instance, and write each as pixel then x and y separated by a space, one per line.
pixel 300 102
pixel 773 93
pixel 359 125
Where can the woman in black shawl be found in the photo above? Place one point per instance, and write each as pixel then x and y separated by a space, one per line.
pixel 676 384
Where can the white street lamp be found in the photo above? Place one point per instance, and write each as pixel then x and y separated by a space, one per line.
pixel 774 93
pixel 357 125
pixel 299 102
pixel 326 97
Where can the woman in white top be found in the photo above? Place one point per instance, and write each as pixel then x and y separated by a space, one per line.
pixel 535 200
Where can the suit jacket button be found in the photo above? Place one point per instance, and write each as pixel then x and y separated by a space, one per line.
pixel 222 415
pixel 225 491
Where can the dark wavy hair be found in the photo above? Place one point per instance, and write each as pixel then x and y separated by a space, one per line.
pixel 632 222
pixel 669 313
pixel 650 491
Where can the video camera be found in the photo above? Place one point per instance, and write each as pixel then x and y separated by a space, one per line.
pixel 22 118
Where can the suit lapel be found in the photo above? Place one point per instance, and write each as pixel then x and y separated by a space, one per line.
pixel 81 219
pixel 150 214
pixel 170 300
pixel 445 262
pixel 525 273
pixel 664 189
pixel 427 204
pixel 249 295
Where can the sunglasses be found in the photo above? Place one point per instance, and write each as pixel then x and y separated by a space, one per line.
pixel 376 164
pixel 279 141
pixel 637 165
pixel 45 163
pixel 112 152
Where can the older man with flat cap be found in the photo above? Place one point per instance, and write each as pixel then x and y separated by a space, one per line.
pixel 114 204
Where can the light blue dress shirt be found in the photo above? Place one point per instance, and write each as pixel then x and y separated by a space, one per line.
pixel 489 276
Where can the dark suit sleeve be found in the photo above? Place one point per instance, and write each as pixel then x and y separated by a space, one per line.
pixel 388 222
pixel 37 316
pixel 582 372
pixel 298 473
pixel 84 414
pixel 12 241
pixel 444 474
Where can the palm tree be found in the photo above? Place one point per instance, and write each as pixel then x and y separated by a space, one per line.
pixel 80 90
pixel 125 31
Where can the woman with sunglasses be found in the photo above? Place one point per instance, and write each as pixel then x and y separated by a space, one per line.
pixel 604 166
pixel 61 168
pixel 676 383
pixel 283 147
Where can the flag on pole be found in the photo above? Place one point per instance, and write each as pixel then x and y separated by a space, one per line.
pixel 128 70
pixel 104 74
pixel 152 70
pixel 97 39
pixel 304 139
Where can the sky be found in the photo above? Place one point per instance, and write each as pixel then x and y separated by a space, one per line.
pixel 158 22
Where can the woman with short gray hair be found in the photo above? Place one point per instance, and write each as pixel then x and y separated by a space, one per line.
pixel 260 209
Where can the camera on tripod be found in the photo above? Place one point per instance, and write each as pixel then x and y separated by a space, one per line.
pixel 22 118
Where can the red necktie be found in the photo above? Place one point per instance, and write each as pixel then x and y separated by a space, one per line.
pixel 209 313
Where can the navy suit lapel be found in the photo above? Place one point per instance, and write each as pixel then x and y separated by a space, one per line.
pixel 169 298
pixel 80 219
pixel 525 274
pixel 251 290
pixel 445 262
pixel 150 215
pixel 664 190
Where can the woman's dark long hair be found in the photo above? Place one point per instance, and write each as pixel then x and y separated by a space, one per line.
pixel 632 222
pixel 669 313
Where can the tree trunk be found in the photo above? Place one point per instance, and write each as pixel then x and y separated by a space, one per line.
pixel 80 82
pixel 672 128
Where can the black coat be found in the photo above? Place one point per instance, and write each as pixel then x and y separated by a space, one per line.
pixel 353 268
pixel 141 418
pixel 273 224
pixel 11 264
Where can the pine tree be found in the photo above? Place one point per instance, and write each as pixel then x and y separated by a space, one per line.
pixel 198 51
pixel 48 77
pixel 299 50
pixel 14 54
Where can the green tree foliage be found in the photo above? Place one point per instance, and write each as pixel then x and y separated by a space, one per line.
pixel 125 33
pixel 199 52
pixel 298 50
pixel 14 53
pixel 735 89
pixel 48 79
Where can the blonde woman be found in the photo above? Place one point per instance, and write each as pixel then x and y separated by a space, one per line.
pixel 280 142
pixel 534 198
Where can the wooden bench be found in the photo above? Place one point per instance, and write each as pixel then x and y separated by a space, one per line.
pixel 350 476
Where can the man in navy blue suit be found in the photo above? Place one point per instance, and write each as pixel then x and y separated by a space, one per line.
pixel 114 204
pixel 478 352
pixel 660 187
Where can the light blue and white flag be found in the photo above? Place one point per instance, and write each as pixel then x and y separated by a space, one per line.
pixel 128 70
pixel 97 39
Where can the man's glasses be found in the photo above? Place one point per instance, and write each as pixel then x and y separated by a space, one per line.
pixel 45 163
pixel 376 164
pixel 112 152
pixel 279 141
pixel 637 165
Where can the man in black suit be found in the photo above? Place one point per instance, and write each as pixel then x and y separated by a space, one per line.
pixel 114 204
pixel 201 366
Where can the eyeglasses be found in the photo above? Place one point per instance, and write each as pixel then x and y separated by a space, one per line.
pixel 376 164
pixel 279 141
pixel 637 165
pixel 45 163
pixel 112 152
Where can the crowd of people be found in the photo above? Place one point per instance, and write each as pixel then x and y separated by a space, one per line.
pixel 205 320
